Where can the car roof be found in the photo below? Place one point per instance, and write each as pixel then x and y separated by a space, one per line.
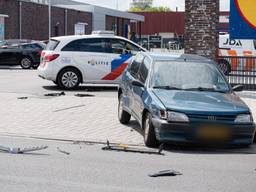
pixel 74 37
pixel 179 57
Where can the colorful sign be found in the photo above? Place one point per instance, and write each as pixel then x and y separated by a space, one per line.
pixel 1 28
pixel 243 19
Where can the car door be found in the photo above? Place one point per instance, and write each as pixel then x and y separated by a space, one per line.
pixel 89 55
pixel 132 75
pixel 8 56
pixel 138 92
pixel 120 58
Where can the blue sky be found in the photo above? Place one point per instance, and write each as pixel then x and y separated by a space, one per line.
pixel 124 4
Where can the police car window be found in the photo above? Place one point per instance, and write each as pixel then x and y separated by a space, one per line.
pixel 51 46
pixel 134 67
pixel 117 46
pixel 144 69
pixel 86 45
pixel 134 49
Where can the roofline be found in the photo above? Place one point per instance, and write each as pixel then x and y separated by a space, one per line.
pixel 80 6
pixel 2 15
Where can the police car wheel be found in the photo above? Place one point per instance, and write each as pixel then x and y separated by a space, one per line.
pixel 69 79
pixel 149 132
pixel 123 116
pixel 25 63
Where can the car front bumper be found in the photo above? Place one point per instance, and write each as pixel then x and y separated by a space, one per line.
pixel 181 133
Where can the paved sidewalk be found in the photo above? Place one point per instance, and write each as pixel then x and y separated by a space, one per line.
pixel 65 117
pixel 69 118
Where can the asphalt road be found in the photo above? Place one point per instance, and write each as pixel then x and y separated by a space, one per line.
pixel 88 168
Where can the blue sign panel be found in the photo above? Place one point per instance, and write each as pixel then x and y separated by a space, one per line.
pixel 1 28
pixel 242 20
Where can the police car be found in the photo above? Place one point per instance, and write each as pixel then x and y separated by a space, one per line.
pixel 97 58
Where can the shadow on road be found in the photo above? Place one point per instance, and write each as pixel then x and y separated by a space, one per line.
pixel 86 88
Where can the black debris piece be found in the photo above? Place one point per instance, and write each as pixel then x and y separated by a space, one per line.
pixel 64 152
pixel 21 150
pixel 165 173
pixel 22 98
pixel 127 148
pixel 84 95
pixel 55 94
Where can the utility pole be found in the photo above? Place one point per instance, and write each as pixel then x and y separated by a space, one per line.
pixel 50 17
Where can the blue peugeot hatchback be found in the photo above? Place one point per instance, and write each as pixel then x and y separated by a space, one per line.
pixel 183 99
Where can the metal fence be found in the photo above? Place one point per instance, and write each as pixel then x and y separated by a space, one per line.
pixel 241 70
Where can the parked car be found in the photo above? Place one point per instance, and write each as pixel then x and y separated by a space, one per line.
pixel 183 99
pixel 97 58
pixel 26 55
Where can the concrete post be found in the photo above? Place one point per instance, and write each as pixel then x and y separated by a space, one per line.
pixel 201 23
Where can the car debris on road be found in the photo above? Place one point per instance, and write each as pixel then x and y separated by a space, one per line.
pixel 21 150
pixel 127 148
pixel 165 173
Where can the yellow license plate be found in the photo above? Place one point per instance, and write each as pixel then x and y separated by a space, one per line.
pixel 214 133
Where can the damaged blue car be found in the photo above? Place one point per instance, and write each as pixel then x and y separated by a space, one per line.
pixel 183 99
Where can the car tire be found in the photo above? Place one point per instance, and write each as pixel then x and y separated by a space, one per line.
pixel 254 140
pixel 123 116
pixel 55 82
pixel 149 132
pixel 69 79
pixel 225 67
pixel 26 63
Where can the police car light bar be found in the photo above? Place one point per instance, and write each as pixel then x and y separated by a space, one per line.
pixel 103 33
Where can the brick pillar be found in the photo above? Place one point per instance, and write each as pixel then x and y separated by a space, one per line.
pixel 201 22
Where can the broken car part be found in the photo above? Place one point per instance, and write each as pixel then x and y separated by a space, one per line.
pixel 84 95
pixel 22 98
pixel 127 148
pixel 165 173
pixel 61 151
pixel 55 94
pixel 21 150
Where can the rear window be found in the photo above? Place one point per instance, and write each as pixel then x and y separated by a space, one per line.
pixel 52 45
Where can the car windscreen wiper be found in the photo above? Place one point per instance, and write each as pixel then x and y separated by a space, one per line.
pixel 167 87
pixel 205 89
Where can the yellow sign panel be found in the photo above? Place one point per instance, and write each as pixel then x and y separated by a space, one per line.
pixel 247 9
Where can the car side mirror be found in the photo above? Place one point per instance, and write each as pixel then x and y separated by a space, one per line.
pixel 238 88
pixel 137 83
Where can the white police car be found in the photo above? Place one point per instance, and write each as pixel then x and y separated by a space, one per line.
pixel 97 58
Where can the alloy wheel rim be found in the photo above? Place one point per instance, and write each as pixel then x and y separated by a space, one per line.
pixel 26 63
pixel 69 79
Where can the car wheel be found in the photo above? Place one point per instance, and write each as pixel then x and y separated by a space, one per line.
pixel 254 140
pixel 55 82
pixel 26 63
pixel 224 66
pixel 123 116
pixel 69 79
pixel 149 132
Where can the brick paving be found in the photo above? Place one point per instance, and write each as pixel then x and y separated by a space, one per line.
pixel 66 117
